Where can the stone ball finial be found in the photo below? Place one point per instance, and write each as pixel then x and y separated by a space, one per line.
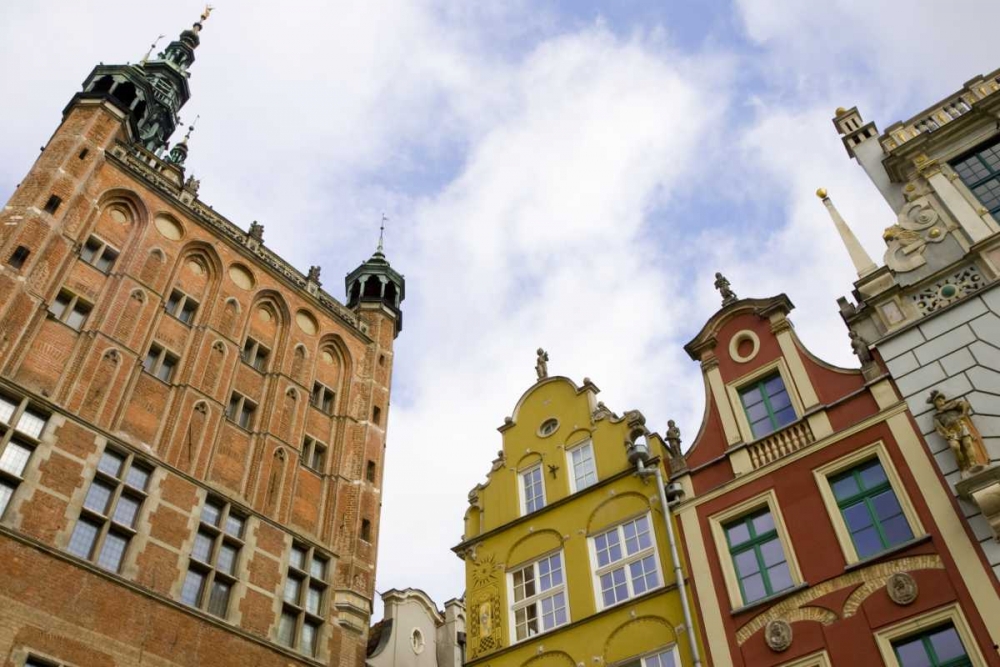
pixel 821 193
pixel 840 111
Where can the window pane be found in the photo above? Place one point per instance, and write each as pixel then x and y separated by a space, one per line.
pixel 286 629
pixel 166 369
pixel 77 316
pixel 293 587
pixel 913 654
pixel 751 397
pixel 106 260
pixel 191 591
pixel 318 568
pixel 58 307
pixel 6 491
pixel 218 601
pixel 149 363
pixel 98 497
pixel 845 487
pixel 946 644
pixel 746 563
pixel 84 535
pixel 31 424
pixel 762 523
pixel 7 408
pixel 897 530
pixel 112 552
pixel 784 417
pixel 202 548
pixel 126 510
pixel 111 463
pixel 234 525
pixel 15 458
pixel 872 475
pixel 90 249
pixel 771 552
pixel 187 312
pixel 757 412
pixel 867 542
pixel 737 533
pixel 137 477
pixel 313 600
pixel 780 401
pixel 584 473
pixel 310 633
pixel 297 558
pixel 226 561
pixel 553 611
pixel 885 505
pixel 779 577
pixel 753 588
pixel 173 301
pixel 210 514
pixel 857 517
pixel 774 385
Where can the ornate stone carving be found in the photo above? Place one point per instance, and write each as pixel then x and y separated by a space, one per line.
pixel 256 231
pixel 721 284
pixel 778 635
pixel 542 364
pixel 948 289
pixel 902 588
pixel 953 422
pixel 916 226
pixel 313 275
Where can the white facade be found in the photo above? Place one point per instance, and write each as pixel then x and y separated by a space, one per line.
pixel 414 633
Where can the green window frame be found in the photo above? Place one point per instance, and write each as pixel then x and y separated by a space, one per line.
pixel 980 171
pixel 767 405
pixel 870 508
pixel 940 646
pixel 758 556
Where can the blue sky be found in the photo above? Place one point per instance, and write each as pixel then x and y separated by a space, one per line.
pixel 558 174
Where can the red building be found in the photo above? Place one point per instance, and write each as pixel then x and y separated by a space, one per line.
pixel 818 529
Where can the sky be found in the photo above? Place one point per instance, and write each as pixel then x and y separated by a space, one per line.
pixel 559 174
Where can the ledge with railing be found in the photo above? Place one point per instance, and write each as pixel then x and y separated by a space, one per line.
pixel 781 443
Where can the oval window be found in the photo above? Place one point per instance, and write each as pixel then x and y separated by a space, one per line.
pixel 548 427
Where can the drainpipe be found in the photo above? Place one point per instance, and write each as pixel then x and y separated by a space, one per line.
pixel 635 452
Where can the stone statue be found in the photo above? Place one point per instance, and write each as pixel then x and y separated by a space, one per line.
pixel 313 275
pixel 673 439
pixel 721 284
pixel 542 365
pixel 192 184
pixel 953 422
pixel 860 347
pixel 257 231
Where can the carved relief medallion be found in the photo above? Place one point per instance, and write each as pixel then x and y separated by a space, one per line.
pixel 778 635
pixel 902 588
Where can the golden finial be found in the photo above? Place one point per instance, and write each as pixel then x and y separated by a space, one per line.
pixel 208 10
pixel 821 193
pixel 840 111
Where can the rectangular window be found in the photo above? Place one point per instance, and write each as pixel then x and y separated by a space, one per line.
pixel 981 173
pixel 870 508
pixel 314 454
pixel 212 568
pixel 52 205
pixel 532 490
pixel 937 647
pixel 20 428
pixel 539 595
pixel 767 405
pixel 366 530
pixel 757 555
pixel 625 561
pixel 110 510
pixel 255 354
pixel 668 658
pixel 70 308
pixel 18 257
pixel 322 398
pixel 370 472
pixel 582 463
pixel 160 363
pixel 241 410
pixel 182 306
pixel 98 253
pixel 303 610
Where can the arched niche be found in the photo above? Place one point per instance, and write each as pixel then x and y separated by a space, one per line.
pixel 611 511
pixel 533 545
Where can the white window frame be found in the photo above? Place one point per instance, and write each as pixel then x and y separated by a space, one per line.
pixel 574 485
pixel 623 562
pixel 643 660
pixel 536 599
pixel 520 488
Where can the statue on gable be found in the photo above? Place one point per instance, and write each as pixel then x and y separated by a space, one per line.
pixel 673 439
pixel 542 364
pixel 192 184
pixel 313 275
pixel 721 284
pixel 860 347
pixel 953 422
pixel 257 231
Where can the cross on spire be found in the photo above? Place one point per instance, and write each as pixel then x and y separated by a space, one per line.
pixel 381 232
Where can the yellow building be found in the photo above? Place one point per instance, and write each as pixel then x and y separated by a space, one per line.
pixel 568 558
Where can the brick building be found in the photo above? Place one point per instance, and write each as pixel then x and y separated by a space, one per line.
pixel 191 430
pixel 818 529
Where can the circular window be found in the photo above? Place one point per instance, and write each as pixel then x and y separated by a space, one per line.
pixel 548 427
pixel 417 640
pixel 744 346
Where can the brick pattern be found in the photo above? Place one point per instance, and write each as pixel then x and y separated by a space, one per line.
pixel 956 352
pixel 91 377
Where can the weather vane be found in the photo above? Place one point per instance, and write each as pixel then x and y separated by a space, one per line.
pixel 208 10
pixel 152 46
pixel 381 231
pixel 191 128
